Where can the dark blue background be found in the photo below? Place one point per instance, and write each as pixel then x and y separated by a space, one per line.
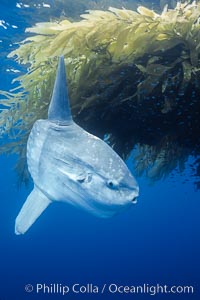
pixel 157 241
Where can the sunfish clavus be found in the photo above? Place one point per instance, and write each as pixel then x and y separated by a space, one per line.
pixel 68 164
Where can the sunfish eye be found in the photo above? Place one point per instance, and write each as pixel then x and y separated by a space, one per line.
pixel 111 184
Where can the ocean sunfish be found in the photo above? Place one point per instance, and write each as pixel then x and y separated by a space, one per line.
pixel 69 164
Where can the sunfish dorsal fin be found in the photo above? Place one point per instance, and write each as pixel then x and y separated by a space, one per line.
pixel 59 109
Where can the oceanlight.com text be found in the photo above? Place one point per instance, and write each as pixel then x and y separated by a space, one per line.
pixel 112 288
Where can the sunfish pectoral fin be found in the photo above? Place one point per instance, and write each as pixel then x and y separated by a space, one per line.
pixel 35 204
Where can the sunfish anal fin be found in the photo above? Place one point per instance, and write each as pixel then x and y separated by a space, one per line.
pixel 35 204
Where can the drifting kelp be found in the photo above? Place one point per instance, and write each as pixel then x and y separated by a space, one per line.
pixel 132 76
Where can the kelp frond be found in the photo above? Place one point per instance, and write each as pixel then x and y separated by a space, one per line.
pixel 115 59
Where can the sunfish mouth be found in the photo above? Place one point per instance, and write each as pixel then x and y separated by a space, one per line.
pixel 134 200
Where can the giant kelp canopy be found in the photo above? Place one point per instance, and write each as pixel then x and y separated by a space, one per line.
pixel 133 79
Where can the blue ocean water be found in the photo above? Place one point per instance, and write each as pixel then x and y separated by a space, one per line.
pixel 155 242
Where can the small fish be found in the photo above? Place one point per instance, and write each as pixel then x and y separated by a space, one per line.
pixel 70 165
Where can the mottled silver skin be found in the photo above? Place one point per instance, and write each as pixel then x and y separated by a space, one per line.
pixel 70 165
